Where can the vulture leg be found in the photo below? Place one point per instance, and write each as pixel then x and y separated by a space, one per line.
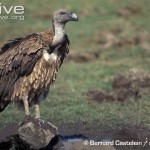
pixel 37 111
pixel 40 121
pixel 37 114
pixel 27 112
pixel 26 107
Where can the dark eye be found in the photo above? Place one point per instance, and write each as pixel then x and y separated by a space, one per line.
pixel 62 13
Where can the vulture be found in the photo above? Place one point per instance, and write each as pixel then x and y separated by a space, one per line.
pixel 29 64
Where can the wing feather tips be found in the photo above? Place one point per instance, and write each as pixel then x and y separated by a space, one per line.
pixel 29 40
pixel 11 44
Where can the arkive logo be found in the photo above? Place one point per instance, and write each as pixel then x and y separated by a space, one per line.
pixel 11 12
pixel 17 10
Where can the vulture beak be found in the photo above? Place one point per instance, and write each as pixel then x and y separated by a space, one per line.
pixel 74 17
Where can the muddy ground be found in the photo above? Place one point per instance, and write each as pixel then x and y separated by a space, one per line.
pixel 132 85
pixel 93 131
pixel 86 132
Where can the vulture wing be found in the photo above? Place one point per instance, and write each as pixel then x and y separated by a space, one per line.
pixel 17 59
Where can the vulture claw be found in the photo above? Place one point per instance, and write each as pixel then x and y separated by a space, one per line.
pixel 20 123
pixel 40 122
pixel 52 126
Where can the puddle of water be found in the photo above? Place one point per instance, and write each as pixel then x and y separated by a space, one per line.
pixel 72 138
pixel 83 143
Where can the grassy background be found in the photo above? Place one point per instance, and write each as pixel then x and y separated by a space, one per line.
pixel 67 103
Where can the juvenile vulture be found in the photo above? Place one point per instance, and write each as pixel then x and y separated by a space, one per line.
pixel 28 65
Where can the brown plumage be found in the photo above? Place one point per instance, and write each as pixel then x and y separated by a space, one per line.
pixel 28 65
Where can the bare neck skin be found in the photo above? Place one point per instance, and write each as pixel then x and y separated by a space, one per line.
pixel 59 31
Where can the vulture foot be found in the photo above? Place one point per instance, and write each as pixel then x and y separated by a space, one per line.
pixel 40 121
pixel 26 119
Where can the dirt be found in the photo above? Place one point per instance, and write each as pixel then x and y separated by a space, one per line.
pixel 142 35
pixel 110 96
pixel 133 133
pixel 113 38
pixel 118 38
pixel 142 38
pixel 128 11
pixel 133 78
pixel 83 57
pixel 134 84
pixel 86 129
pixel 100 96
pixel 128 132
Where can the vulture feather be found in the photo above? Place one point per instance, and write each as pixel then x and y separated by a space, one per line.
pixel 28 65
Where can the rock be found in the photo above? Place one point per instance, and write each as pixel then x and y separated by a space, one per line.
pixel 34 135
pixel 31 135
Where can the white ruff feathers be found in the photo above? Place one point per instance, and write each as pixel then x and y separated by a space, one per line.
pixel 48 56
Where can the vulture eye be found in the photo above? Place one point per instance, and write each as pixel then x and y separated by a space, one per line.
pixel 62 13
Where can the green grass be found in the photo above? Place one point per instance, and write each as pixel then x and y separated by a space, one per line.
pixel 66 102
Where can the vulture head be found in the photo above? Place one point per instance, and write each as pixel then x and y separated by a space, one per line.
pixel 62 16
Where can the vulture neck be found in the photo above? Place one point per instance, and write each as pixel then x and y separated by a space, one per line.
pixel 59 33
